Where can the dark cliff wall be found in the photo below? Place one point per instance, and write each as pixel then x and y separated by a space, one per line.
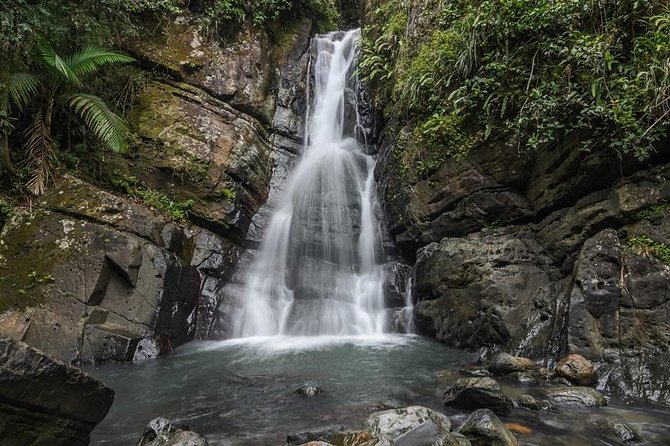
pixel 539 252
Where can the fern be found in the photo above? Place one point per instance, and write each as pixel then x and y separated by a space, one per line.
pixel 106 125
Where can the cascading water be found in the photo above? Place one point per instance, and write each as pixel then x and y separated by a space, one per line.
pixel 318 271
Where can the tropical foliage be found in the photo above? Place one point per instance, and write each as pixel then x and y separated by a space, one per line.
pixel 55 89
pixel 524 73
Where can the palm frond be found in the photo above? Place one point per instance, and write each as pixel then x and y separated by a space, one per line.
pixel 40 154
pixel 22 87
pixel 53 60
pixel 109 127
pixel 91 58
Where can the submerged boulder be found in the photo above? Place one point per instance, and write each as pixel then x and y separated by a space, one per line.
pixel 309 390
pixel 615 429
pixel 582 396
pixel 160 432
pixel 577 369
pixel 483 427
pixel 477 393
pixel 44 401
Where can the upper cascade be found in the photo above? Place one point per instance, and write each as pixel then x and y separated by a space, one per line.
pixel 319 268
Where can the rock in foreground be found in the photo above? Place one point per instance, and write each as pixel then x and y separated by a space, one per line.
pixel 411 426
pixel 485 428
pixel 478 393
pixel 45 401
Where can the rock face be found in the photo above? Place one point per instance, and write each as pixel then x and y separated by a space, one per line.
pixel 89 275
pixel 484 290
pixel 41 399
pixel 477 393
pixel 103 278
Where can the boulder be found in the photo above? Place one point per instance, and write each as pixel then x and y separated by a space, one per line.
pixel 577 369
pixel 504 363
pixel 582 396
pixel 395 422
pixel 41 399
pixel 414 425
pixel 487 289
pixel 483 427
pixel 478 393
pixel 160 432
pixel 324 434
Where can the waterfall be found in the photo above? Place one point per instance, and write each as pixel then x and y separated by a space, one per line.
pixel 319 269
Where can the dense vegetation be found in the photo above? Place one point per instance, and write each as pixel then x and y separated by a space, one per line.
pixel 525 74
pixel 62 108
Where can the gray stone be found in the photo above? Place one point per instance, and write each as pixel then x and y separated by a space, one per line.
pixel 485 428
pixel 478 393
pixel 161 432
pixel 532 403
pixel 581 396
pixel 615 429
pixel 309 390
pixel 41 399
pixel 393 423
pixel 325 434
pixel 504 363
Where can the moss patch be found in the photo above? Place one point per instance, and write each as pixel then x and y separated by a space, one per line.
pixel 643 244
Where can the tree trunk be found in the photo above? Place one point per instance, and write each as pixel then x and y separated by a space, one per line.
pixel 5 159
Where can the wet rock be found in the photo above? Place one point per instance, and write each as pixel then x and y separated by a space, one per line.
pixel 426 434
pixel 356 438
pixel 483 427
pixel 425 423
pixel 474 291
pixel 41 399
pixel 160 432
pixel 477 393
pixel 615 429
pixel 577 369
pixel 317 443
pixel 309 390
pixel 582 396
pixel 532 403
pixel 325 434
pixel 504 363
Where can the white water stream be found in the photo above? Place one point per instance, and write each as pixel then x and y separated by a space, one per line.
pixel 319 268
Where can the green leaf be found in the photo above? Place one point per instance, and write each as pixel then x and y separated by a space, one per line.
pixel 91 58
pixel 107 126
pixel 22 87
pixel 53 60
